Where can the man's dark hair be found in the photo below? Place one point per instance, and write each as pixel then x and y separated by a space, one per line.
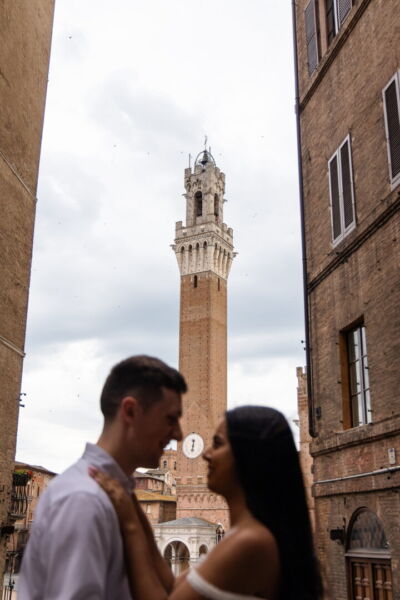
pixel 142 377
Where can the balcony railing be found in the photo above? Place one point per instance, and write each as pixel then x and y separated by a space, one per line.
pixel 19 495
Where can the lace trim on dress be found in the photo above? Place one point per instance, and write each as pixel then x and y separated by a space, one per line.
pixel 210 591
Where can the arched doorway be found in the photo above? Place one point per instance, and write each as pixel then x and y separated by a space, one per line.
pixel 368 558
pixel 178 556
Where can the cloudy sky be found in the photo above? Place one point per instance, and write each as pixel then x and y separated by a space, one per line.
pixel 134 86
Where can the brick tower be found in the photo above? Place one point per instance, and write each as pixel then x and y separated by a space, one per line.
pixel 204 250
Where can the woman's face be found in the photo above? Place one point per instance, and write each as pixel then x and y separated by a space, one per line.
pixel 221 476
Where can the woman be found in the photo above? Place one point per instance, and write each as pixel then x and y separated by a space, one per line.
pixel 268 551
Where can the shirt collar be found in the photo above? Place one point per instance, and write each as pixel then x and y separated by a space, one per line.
pixel 100 459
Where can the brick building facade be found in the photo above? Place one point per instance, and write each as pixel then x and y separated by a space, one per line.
pixel 23 507
pixel 25 34
pixel 348 60
pixel 306 460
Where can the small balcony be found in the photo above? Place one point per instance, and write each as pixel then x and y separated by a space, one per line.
pixel 19 494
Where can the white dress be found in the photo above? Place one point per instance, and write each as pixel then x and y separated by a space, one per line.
pixel 210 591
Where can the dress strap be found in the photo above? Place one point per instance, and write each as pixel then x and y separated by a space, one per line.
pixel 210 591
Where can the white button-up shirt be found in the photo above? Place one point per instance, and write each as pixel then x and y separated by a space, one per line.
pixel 75 549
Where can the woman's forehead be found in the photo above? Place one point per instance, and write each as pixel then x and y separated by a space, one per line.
pixel 221 429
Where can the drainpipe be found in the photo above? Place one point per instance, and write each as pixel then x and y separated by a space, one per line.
pixel 310 401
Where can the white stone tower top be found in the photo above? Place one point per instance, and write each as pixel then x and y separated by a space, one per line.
pixel 204 243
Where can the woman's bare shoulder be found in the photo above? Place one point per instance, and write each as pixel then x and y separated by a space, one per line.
pixel 246 561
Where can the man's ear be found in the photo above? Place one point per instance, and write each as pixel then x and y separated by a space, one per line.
pixel 128 409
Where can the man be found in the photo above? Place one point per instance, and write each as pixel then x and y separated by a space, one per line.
pixel 75 549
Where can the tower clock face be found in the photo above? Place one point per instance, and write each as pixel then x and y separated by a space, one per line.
pixel 193 445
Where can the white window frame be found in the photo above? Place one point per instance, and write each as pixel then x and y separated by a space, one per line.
pixel 394 181
pixel 344 230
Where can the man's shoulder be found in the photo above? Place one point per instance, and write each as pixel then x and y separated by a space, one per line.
pixel 74 484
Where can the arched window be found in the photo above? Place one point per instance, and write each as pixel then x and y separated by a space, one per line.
pixel 220 532
pixel 165 464
pixel 368 557
pixel 198 204
pixel 216 205
pixel 203 549
pixel 205 245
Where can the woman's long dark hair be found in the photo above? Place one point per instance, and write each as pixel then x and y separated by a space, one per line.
pixel 268 468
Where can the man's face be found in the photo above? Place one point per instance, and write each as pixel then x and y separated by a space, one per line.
pixel 157 426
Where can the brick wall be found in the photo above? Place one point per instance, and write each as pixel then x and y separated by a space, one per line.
pixel 357 278
pixel 203 362
pixel 25 33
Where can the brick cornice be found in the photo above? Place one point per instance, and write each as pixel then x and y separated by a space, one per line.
pixel 343 255
pixel 353 437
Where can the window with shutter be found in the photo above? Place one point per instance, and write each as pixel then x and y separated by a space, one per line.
pixel 336 12
pixel 391 96
pixel 343 9
pixel 335 202
pixel 310 15
pixel 330 20
pixel 341 191
pixel 347 186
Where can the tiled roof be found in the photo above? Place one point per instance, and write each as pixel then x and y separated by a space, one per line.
pixel 146 496
pixel 187 522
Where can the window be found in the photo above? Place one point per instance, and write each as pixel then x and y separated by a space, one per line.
pixel 336 13
pixel 195 281
pixel 391 103
pixel 310 16
pixel 341 192
pixel 355 378
pixel 164 464
pixel 198 199
pixel 216 205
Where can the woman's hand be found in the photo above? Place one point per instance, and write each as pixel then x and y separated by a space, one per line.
pixel 124 504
